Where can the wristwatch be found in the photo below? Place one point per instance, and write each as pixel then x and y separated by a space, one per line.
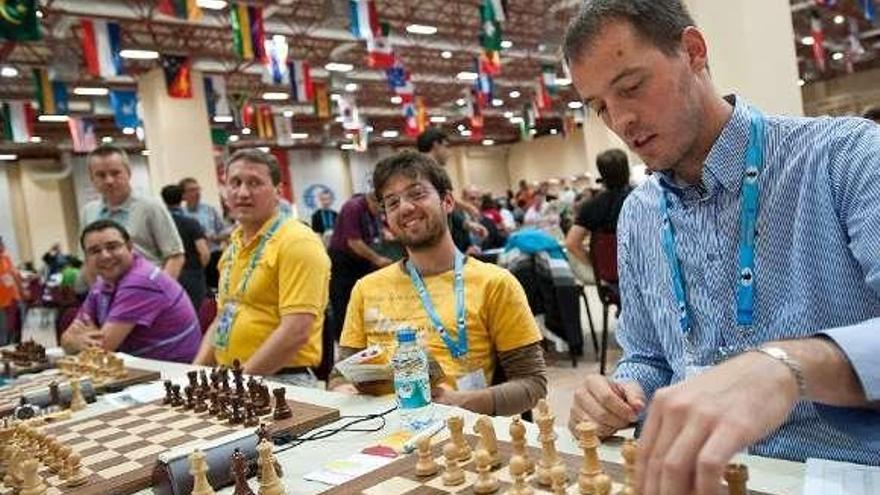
pixel 780 355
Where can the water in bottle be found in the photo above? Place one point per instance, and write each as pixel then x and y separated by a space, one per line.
pixel 412 385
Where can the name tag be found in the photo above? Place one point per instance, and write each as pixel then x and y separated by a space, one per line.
pixel 475 380
pixel 224 325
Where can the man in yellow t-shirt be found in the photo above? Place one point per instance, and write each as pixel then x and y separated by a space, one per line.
pixel 274 279
pixel 499 328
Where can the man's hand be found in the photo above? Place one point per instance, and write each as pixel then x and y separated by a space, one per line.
pixel 695 427
pixel 611 405
pixel 382 262
pixel 82 333
pixel 478 401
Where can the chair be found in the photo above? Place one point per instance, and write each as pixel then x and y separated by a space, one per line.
pixel 603 257
pixel 207 312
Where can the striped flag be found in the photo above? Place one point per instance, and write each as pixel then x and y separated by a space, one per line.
pixel 380 54
pixel 248 35
pixel 215 94
pixel 51 95
pixel 400 81
pixel 484 86
pixel 818 40
pixel 548 73
pixel 275 70
pixel 301 84
pixel 18 121
pixel 18 20
pixel 499 9
pixel 364 21
pixel 490 27
pixel 542 96
pixel 283 129
pixel 349 112
pixel 490 62
pixel 265 125
pixel 181 9
pixel 421 115
pixel 100 46
pixel 178 76
pixel 322 100
pixel 82 133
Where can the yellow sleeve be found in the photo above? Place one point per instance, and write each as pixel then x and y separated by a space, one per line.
pixel 510 320
pixel 303 277
pixel 353 334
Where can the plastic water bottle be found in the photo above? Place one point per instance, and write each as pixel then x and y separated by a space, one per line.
pixel 412 385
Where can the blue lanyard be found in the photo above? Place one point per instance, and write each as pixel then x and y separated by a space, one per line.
pixel 457 349
pixel 745 290
pixel 252 263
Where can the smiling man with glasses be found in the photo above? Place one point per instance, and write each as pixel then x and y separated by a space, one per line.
pixel 133 307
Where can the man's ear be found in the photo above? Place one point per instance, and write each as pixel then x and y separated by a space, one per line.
pixel 447 201
pixel 693 44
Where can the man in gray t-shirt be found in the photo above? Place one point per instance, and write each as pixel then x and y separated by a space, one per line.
pixel 147 220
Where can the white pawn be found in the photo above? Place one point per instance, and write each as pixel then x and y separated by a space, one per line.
pixel 198 468
pixel 270 484
pixel 518 473
pixel 486 480
pixel 454 474
pixel 426 465
pixel 77 402
pixel 559 478
pixel 32 483
pixel 77 477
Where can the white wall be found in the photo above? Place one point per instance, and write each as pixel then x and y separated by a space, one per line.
pixel 362 165
pixel 486 168
pixel 7 227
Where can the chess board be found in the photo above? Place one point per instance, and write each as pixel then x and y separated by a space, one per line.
pixel 14 361
pixel 36 387
pixel 399 477
pixel 119 449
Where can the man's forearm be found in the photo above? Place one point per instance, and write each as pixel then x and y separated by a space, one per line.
pixel 829 375
pixel 173 265
pixel 205 355
pixel 361 249
pixel 277 350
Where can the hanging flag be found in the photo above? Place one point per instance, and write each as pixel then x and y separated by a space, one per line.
pixel 380 54
pixel 82 133
pixel 818 40
pixel 361 139
pixel 542 96
pixel 275 70
pixel 490 28
pixel 124 104
pixel 421 114
pixel 181 9
pixel 100 46
pixel 51 95
pixel 548 72
pixel 569 124
pixel 484 86
pixel 215 96
pixel 410 119
pixel 283 129
pixel 322 100
pixel 349 112
pixel 490 62
pixel 400 81
pixel 499 9
pixel 301 84
pixel 18 121
pixel 364 21
pixel 265 125
pixel 868 8
pixel 248 35
pixel 528 121
pixel 178 76
pixel 476 116
pixel 248 116
pixel 18 20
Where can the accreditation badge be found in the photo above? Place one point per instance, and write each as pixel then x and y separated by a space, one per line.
pixel 474 379
pixel 224 325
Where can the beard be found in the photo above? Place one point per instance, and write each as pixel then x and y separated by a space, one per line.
pixel 430 237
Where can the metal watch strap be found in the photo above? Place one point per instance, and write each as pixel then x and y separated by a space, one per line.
pixel 780 355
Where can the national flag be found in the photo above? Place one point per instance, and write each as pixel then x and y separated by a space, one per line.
pixel 349 112
pixel 542 96
pixel 265 125
pixel 248 116
pixel 548 72
pixel 18 20
pixel 476 117
pixel 380 54
pixel 569 124
pixel 215 96
pixel 178 76
pixel 818 40
pixel 124 104
pixel 100 46
pixel 530 117
pixel 361 139
pixel 181 9
pixel 400 81
pixel 421 114
pixel 51 95
pixel 499 9
pixel 410 119
pixel 82 133
pixel 275 70
pixel 868 8
pixel 18 121
pixel 484 86
pixel 490 28
pixel 364 21
pixel 248 34
pixel 490 62
pixel 283 129
pixel 301 84
pixel 322 100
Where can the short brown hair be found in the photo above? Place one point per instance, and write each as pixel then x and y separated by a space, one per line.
pixel 414 166
pixel 254 155
pixel 107 150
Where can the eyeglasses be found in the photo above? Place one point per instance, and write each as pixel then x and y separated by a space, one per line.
pixel 110 247
pixel 412 194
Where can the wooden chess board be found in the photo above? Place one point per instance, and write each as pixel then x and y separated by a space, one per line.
pixel 399 477
pixel 13 362
pixel 119 449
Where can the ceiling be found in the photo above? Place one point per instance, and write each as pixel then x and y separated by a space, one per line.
pixel 317 31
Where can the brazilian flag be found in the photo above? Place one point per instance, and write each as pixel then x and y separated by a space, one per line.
pixel 18 20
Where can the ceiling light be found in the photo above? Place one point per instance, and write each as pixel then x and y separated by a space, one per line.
pixel 139 54
pixel 349 135
pixel 107 139
pixel 211 4
pixel 90 91
pixel 396 100
pixel 145 152
pixel 438 119
pixel 351 87
pixel 299 135
pixel 461 127
pixel 554 131
pixel 467 76
pixel 287 113
pixel 508 114
pixel 563 81
pixel 574 105
pixel 128 131
pixel 421 29
pixel 514 94
pixel 233 138
pixel 35 139
pixel 808 40
pixel 369 128
pixel 488 142
pixel 223 119
pixel 460 102
pixel 533 132
pixel 338 67
pixel 335 96
pixel 801 82
pixel 497 102
pixel 506 44
pixel 245 130
pixel 347 147
pixel 466 133
pixel 52 118
pixel 839 19
pixel 8 157
pixel 446 54
pixel 39 14
pixel 516 120
pixel 340 119
pixel 390 133
pixel 837 56
pixel 264 149
pixel 275 95
pixel 8 71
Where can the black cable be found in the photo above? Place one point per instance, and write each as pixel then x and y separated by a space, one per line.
pixel 296 440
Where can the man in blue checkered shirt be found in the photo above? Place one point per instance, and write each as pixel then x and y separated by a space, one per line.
pixel 749 262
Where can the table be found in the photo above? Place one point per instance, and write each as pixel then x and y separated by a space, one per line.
pixel 769 475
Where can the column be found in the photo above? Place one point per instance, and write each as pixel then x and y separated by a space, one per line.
pixel 178 135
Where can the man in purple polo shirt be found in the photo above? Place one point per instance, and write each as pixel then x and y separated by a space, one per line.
pixel 133 307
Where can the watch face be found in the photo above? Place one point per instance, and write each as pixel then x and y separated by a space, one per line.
pixel 25 411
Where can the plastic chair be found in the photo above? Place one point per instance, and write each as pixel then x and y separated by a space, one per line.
pixel 603 257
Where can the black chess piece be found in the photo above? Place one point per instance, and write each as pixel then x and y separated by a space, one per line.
pixel 224 378
pixel 250 416
pixel 193 377
pixel 190 398
pixel 215 378
pixel 222 406
pixel 203 380
pixel 200 404
pixel 54 395
pixel 169 394
pixel 265 401
pixel 177 400
pixel 238 376
pixel 282 409
pixel 214 404
pixel 236 415
pixel 239 471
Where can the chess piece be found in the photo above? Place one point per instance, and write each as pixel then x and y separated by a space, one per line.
pixel 239 472
pixel 518 474
pixel 483 426
pixel 559 478
pixel 250 417
pixel 214 405
pixel 426 465
pixel 201 404
pixel 222 406
pixel 13 467
pixel 176 399
pixel 518 440
pixel 32 483
pixel 270 484
pixel 54 396
pixel 265 400
pixel 282 408
pixel 456 433
pixel 77 402
pixel 198 468
pixel 193 377
pixel 736 476
pixel 589 442
pixel 628 452
pixel 486 480
pixel 63 454
pixel 190 403
pixel 602 484
pixel 238 377
pixel 236 416
pixel 547 436
pixel 203 380
pixel 77 477
pixel 454 474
